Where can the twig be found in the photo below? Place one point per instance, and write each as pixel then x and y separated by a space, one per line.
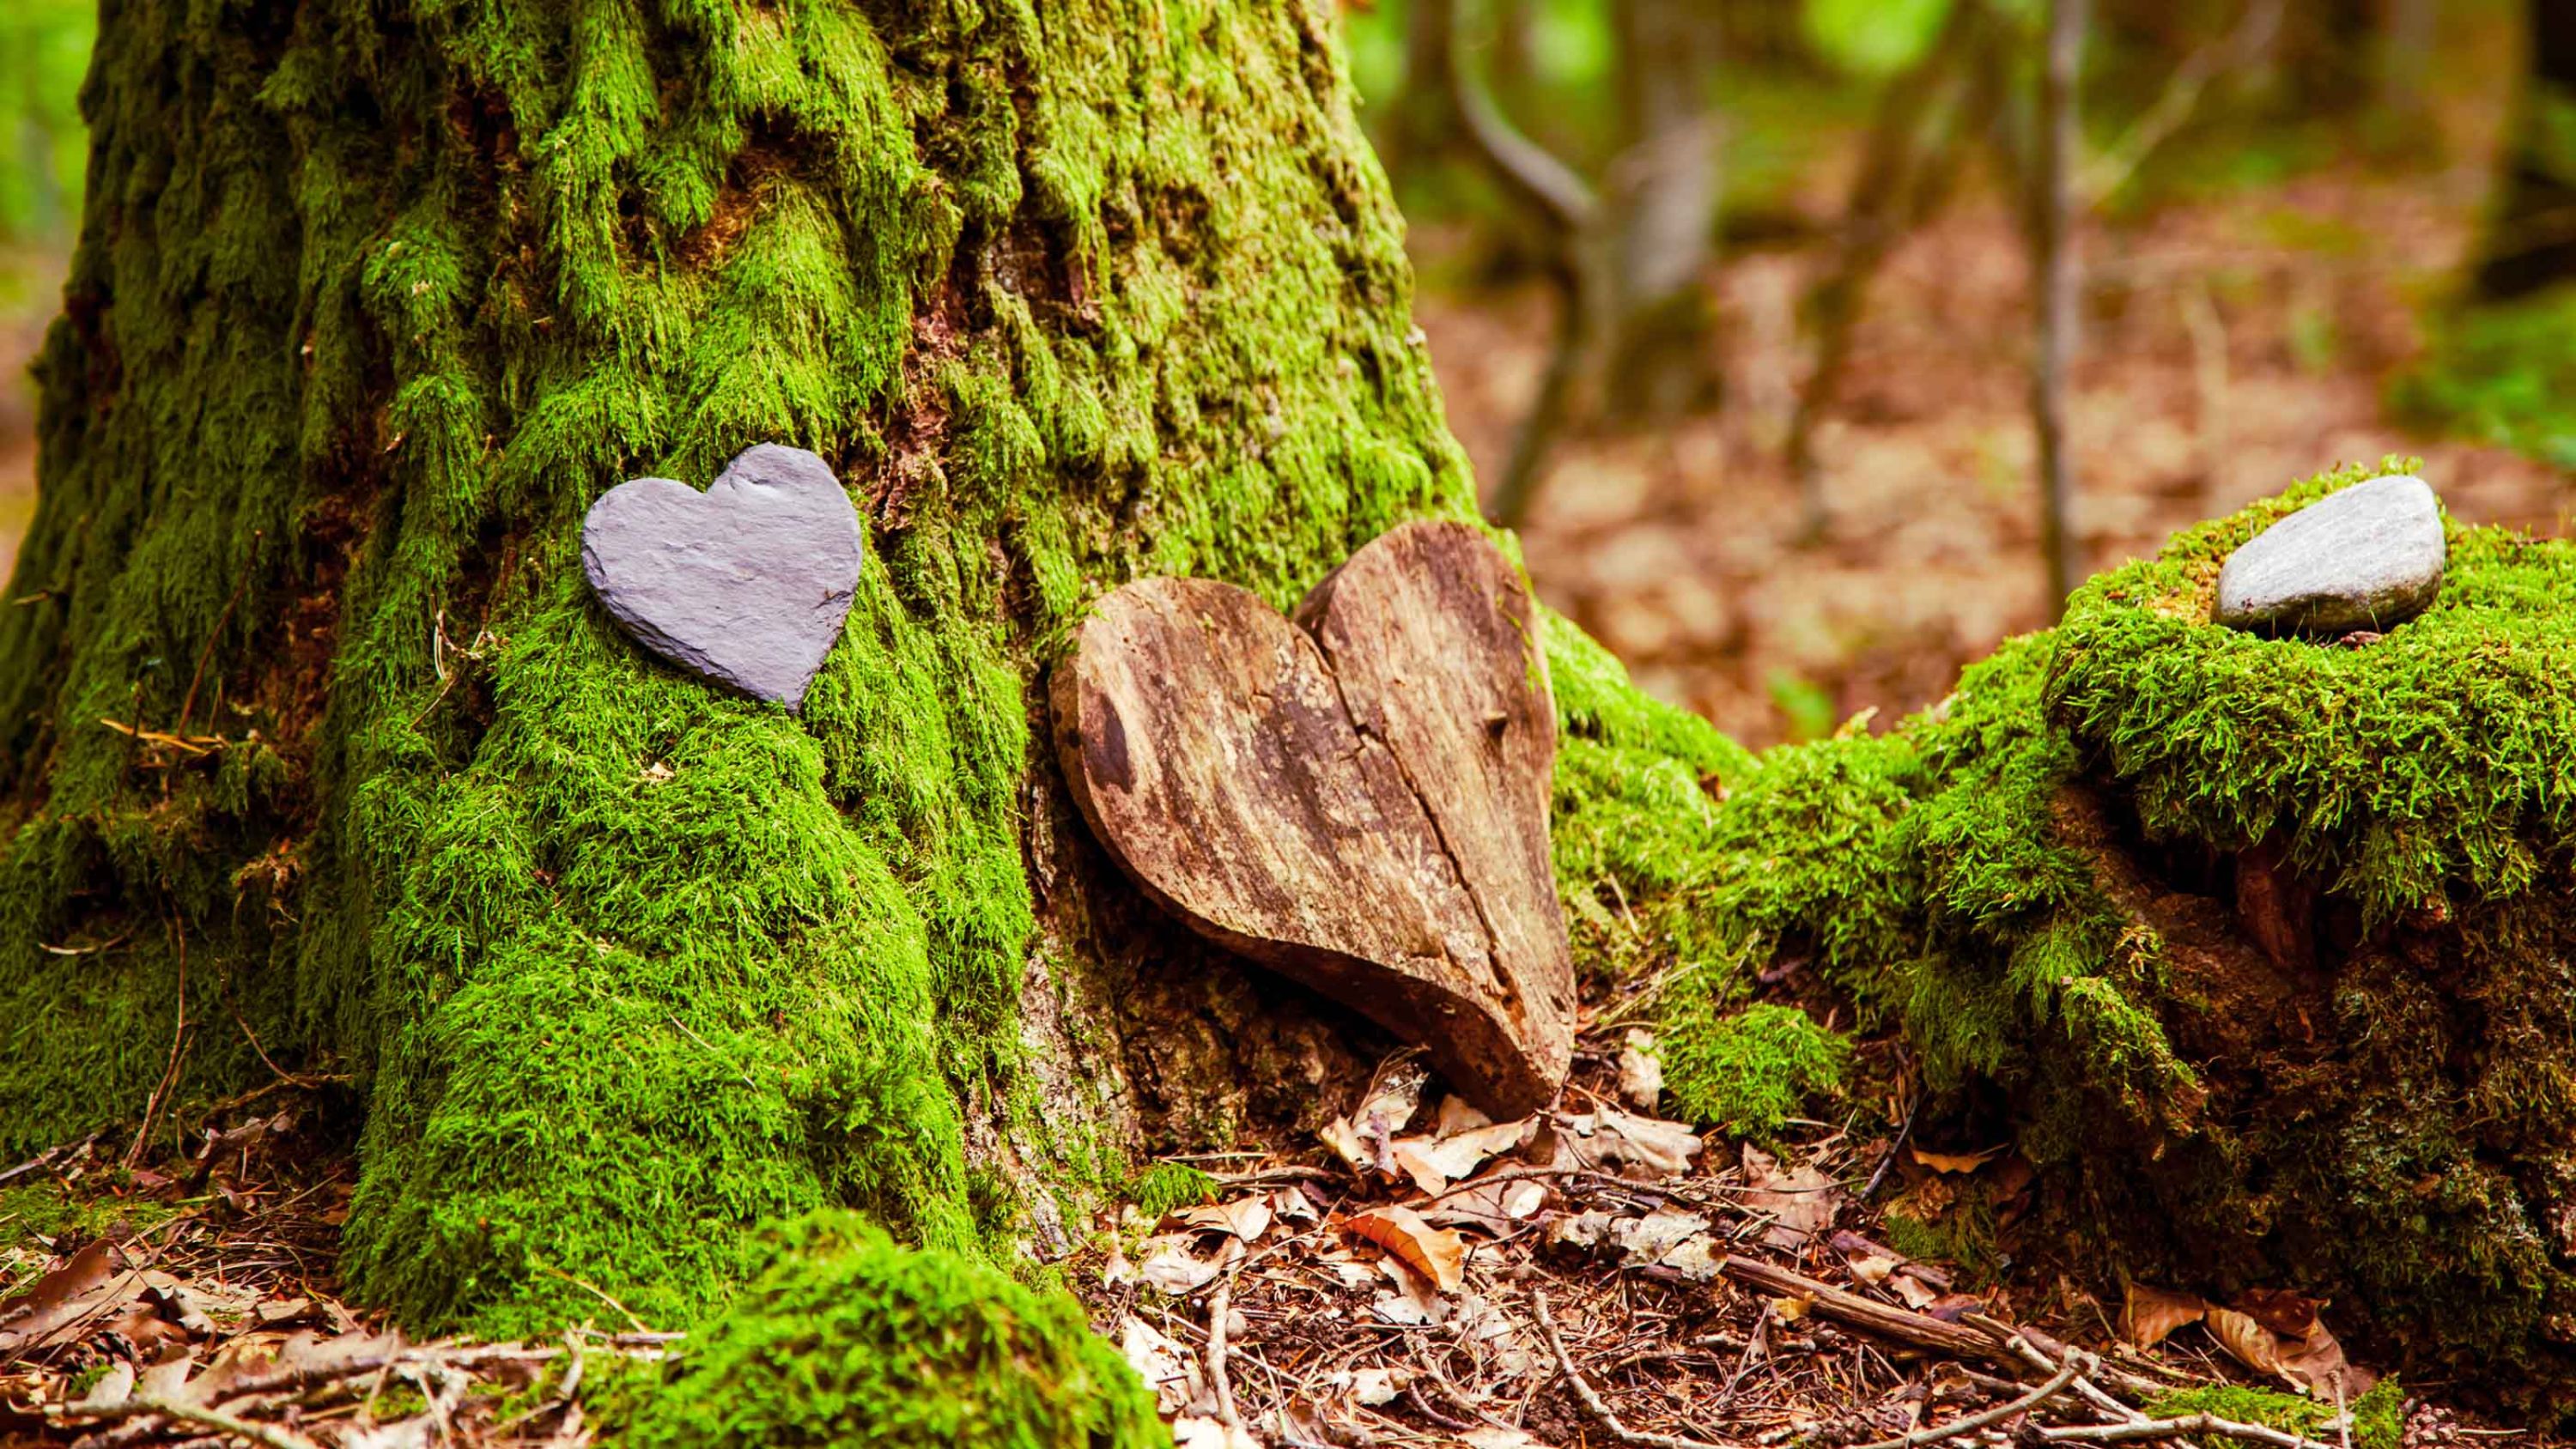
pixel 1879 1177
pixel 2188 1424
pixel 1920 1329
pixel 178 1048
pixel 1221 1303
pixel 1591 1400
pixel 269 1435
pixel 2056 1385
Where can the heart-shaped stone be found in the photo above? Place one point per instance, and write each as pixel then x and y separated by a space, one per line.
pixel 1358 800
pixel 747 583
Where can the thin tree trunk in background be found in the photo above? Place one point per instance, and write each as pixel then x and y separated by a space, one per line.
pixel 2531 243
pixel 1663 194
pixel 1426 112
pixel 2407 32
pixel 2053 257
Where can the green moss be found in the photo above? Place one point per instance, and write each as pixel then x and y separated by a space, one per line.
pixel 368 307
pixel 2036 881
pixel 1750 1071
pixel 2378 1417
pixel 1169 1185
pixel 846 1338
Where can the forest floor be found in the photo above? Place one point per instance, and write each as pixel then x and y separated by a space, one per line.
pixel 1419 1276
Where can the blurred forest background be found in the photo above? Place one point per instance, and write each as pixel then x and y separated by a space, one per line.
pixel 1735 302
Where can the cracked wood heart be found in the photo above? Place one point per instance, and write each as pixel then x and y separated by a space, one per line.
pixel 1358 799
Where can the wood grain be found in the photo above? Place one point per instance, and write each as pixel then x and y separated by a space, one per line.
pixel 1358 800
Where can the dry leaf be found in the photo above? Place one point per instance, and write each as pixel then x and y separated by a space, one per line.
pixel 2315 1361
pixel 1698 1259
pixel 1117 1270
pixel 1371 1386
pixel 2152 1314
pixel 1956 1162
pixel 2245 1340
pixel 1492 1206
pixel 1200 1432
pixel 1801 1201
pixel 1245 1217
pixel 1870 1269
pixel 1171 1265
pixel 1647 1239
pixel 1917 1294
pixel 1438 1254
pixel 2286 1311
pixel 111 1390
pixel 1641 1072
pixel 1434 1164
pixel 1641 1148
pixel 1416 1299
pixel 1167 1368
pixel 1456 1115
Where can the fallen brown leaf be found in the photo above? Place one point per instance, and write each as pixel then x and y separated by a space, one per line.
pixel 2245 1340
pixel 1955 1162
pixel 1801 1200
pixel 2152 1314
pixel 1438 1254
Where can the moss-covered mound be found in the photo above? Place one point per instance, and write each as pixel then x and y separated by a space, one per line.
pixel 2264 946
pixel 847 1338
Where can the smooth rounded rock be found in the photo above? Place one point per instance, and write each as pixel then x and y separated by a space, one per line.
pixel 746 584
pixel 2368 557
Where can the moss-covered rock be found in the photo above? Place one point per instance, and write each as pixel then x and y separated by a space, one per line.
pixel 846 1338
pixel 2267 948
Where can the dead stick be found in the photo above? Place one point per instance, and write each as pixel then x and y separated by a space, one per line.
pixel 2056 1385
pixel 272 1437
pixel 1591 1401
pixel 2188 1424
pixel 1220 1304
pixel 1919 1329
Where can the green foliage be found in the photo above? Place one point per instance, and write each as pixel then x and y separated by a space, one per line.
pixel 44 50
pixel 2378 1417
pixel 1873 38
pixel 1168 1185
pixel 368 307
pixel 848 1338
pixel 2502 373
pixel 1749 1072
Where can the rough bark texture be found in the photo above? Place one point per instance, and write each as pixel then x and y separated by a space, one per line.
pixel 1359 799
pixel 371 302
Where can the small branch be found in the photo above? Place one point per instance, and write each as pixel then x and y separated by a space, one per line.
pixel 1591 1400
pixel 1920 1329
pixel 2188 1424
pixel 1220 1304
pixel 2056 1385
pixel 264 1434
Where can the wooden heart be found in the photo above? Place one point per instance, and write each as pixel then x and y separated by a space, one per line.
pixel 747 583
pixel 1358 799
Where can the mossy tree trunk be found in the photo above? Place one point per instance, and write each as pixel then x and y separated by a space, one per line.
pixel 314 749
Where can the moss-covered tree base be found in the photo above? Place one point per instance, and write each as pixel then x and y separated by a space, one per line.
pixel 2266 949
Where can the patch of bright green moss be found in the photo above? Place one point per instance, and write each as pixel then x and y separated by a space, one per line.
pixel 1748 1072
pixel 847 1338
pixel 2378 1417
pixel 1169 1185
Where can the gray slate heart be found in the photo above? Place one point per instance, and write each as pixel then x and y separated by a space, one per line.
pixel 2368 557
pixel 746 584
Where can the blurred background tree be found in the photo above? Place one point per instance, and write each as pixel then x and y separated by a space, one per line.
pixel 1732 299
pixel 44 48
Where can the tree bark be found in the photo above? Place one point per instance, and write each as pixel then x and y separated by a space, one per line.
pixel 1662 191
pixel 303 694
pixel 2531 243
